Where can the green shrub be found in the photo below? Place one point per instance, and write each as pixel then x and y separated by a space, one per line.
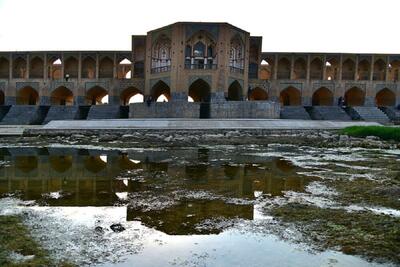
pixel 383 132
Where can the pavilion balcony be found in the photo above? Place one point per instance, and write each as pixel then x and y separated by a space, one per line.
pixel 160 69
pixel 236 70
pixel 200 66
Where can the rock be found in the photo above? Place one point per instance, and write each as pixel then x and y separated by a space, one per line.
pixel 343 138
pixel 99 229
pixel 127 136
pixel 168 139
pixel 370 137
pixel 78 136
pixel 107 137
pixel 117 228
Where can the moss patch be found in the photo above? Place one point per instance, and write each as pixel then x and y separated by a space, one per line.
pixel 376 237
pixel 15 238
pixel 383 132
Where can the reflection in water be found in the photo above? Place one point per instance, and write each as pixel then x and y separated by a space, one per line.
pixel 95 178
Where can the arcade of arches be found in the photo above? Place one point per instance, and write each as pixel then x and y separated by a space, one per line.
pixel 95 95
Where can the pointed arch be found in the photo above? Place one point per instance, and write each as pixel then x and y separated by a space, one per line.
pixel 379 70
pixel 106 68
pixel 71 67
pixel 394 70
pixel 160 88
pixel 300 69
pixel 200 91
pixel 283 68
pixel 363 70
pixel 19 68
pixel 322 97
pixel 348 69
pixel 258 94
pixel 95 95
pixel 332 68
pixel 128 93
pixel 88 68
pixel 27 96
pixel 354 97
pixel 235 91
pixel 385 98
pixel 36 68
pixel 291 96
pixel 62 96
pixel 4 68
pixel 316 69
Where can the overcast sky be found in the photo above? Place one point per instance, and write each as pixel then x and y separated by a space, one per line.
pixel 286 25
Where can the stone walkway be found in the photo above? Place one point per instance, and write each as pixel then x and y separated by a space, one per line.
pixel 202 124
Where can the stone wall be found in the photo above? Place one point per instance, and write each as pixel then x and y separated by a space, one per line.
pixel 231 109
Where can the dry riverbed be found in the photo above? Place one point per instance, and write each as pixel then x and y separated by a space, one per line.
pixel 333 197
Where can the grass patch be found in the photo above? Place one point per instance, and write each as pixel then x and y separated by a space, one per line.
pixel 15 238
pixel 383 132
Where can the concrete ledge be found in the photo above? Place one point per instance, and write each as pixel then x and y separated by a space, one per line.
pixel 196 124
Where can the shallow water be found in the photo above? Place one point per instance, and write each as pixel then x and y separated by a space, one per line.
pixel 180 207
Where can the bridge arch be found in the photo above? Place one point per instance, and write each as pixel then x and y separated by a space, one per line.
pixel 27 96
pixel 160 92
pixel 106 68
pixel 71 67
pixel 199 91
pixel 291 96
pixel 95 95
pixel 88 68
pixel 19 68
pixel 128 93
pixel 258 94
pixel 4 68
pixel 322 97
pixel 354 97
pixel 283 68
pixel 36 68
pixel 235 91
pixel 300 69
pixel 62 96
pixel 385 98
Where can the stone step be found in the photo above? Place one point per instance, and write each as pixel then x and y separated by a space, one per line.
pixel 62 113
pixel 98 112
pixel 25 115
pixel 333 113
pixel 294 113
pixel 369 114
pixel 392 113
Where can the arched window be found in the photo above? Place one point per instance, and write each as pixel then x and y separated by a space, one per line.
pixel 161 54
pixel 199 49
pixel 236 56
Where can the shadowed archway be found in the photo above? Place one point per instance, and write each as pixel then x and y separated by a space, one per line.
pixel 160 89
pixel 200 91
pixel 385 98
pixel 354 97
pixel 27 96
pixel 235 91
pixel 62 96
pixel 290 97
pixel 322 97
pixel 258 94
pixel 95 95
pixel 127 94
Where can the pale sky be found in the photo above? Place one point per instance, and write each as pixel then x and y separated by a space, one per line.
pixel 363 26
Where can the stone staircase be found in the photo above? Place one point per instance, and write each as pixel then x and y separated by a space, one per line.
pixel 62 113
pixel 392 113
pixel 294 113
pixel 332 113
pixel 367 114
pixel 25 115
pixel 107 112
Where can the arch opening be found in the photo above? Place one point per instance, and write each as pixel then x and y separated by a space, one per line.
pixel 266 69
pixel 131 95
pixel 36 68
pixel 258 94
pixel 160 92
pixel 348 69
pixel 385 98
pixel 54 68
pixel 354 97
pixel 71 68
pixel 88 68
pixel 363 70
pixel 300 69
pixel 283 69
pixel 322 97
pixel 106 68
pixel 235 92
pixel 290 97
pixel 199 91
pixel 62 96
pixel 316 69
pixel 379 70
pixel 332 69
pixel 19 68
pixel 4 68
pixel 97 96
pixel 124 70
pixel 394 70
pixel 27 96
